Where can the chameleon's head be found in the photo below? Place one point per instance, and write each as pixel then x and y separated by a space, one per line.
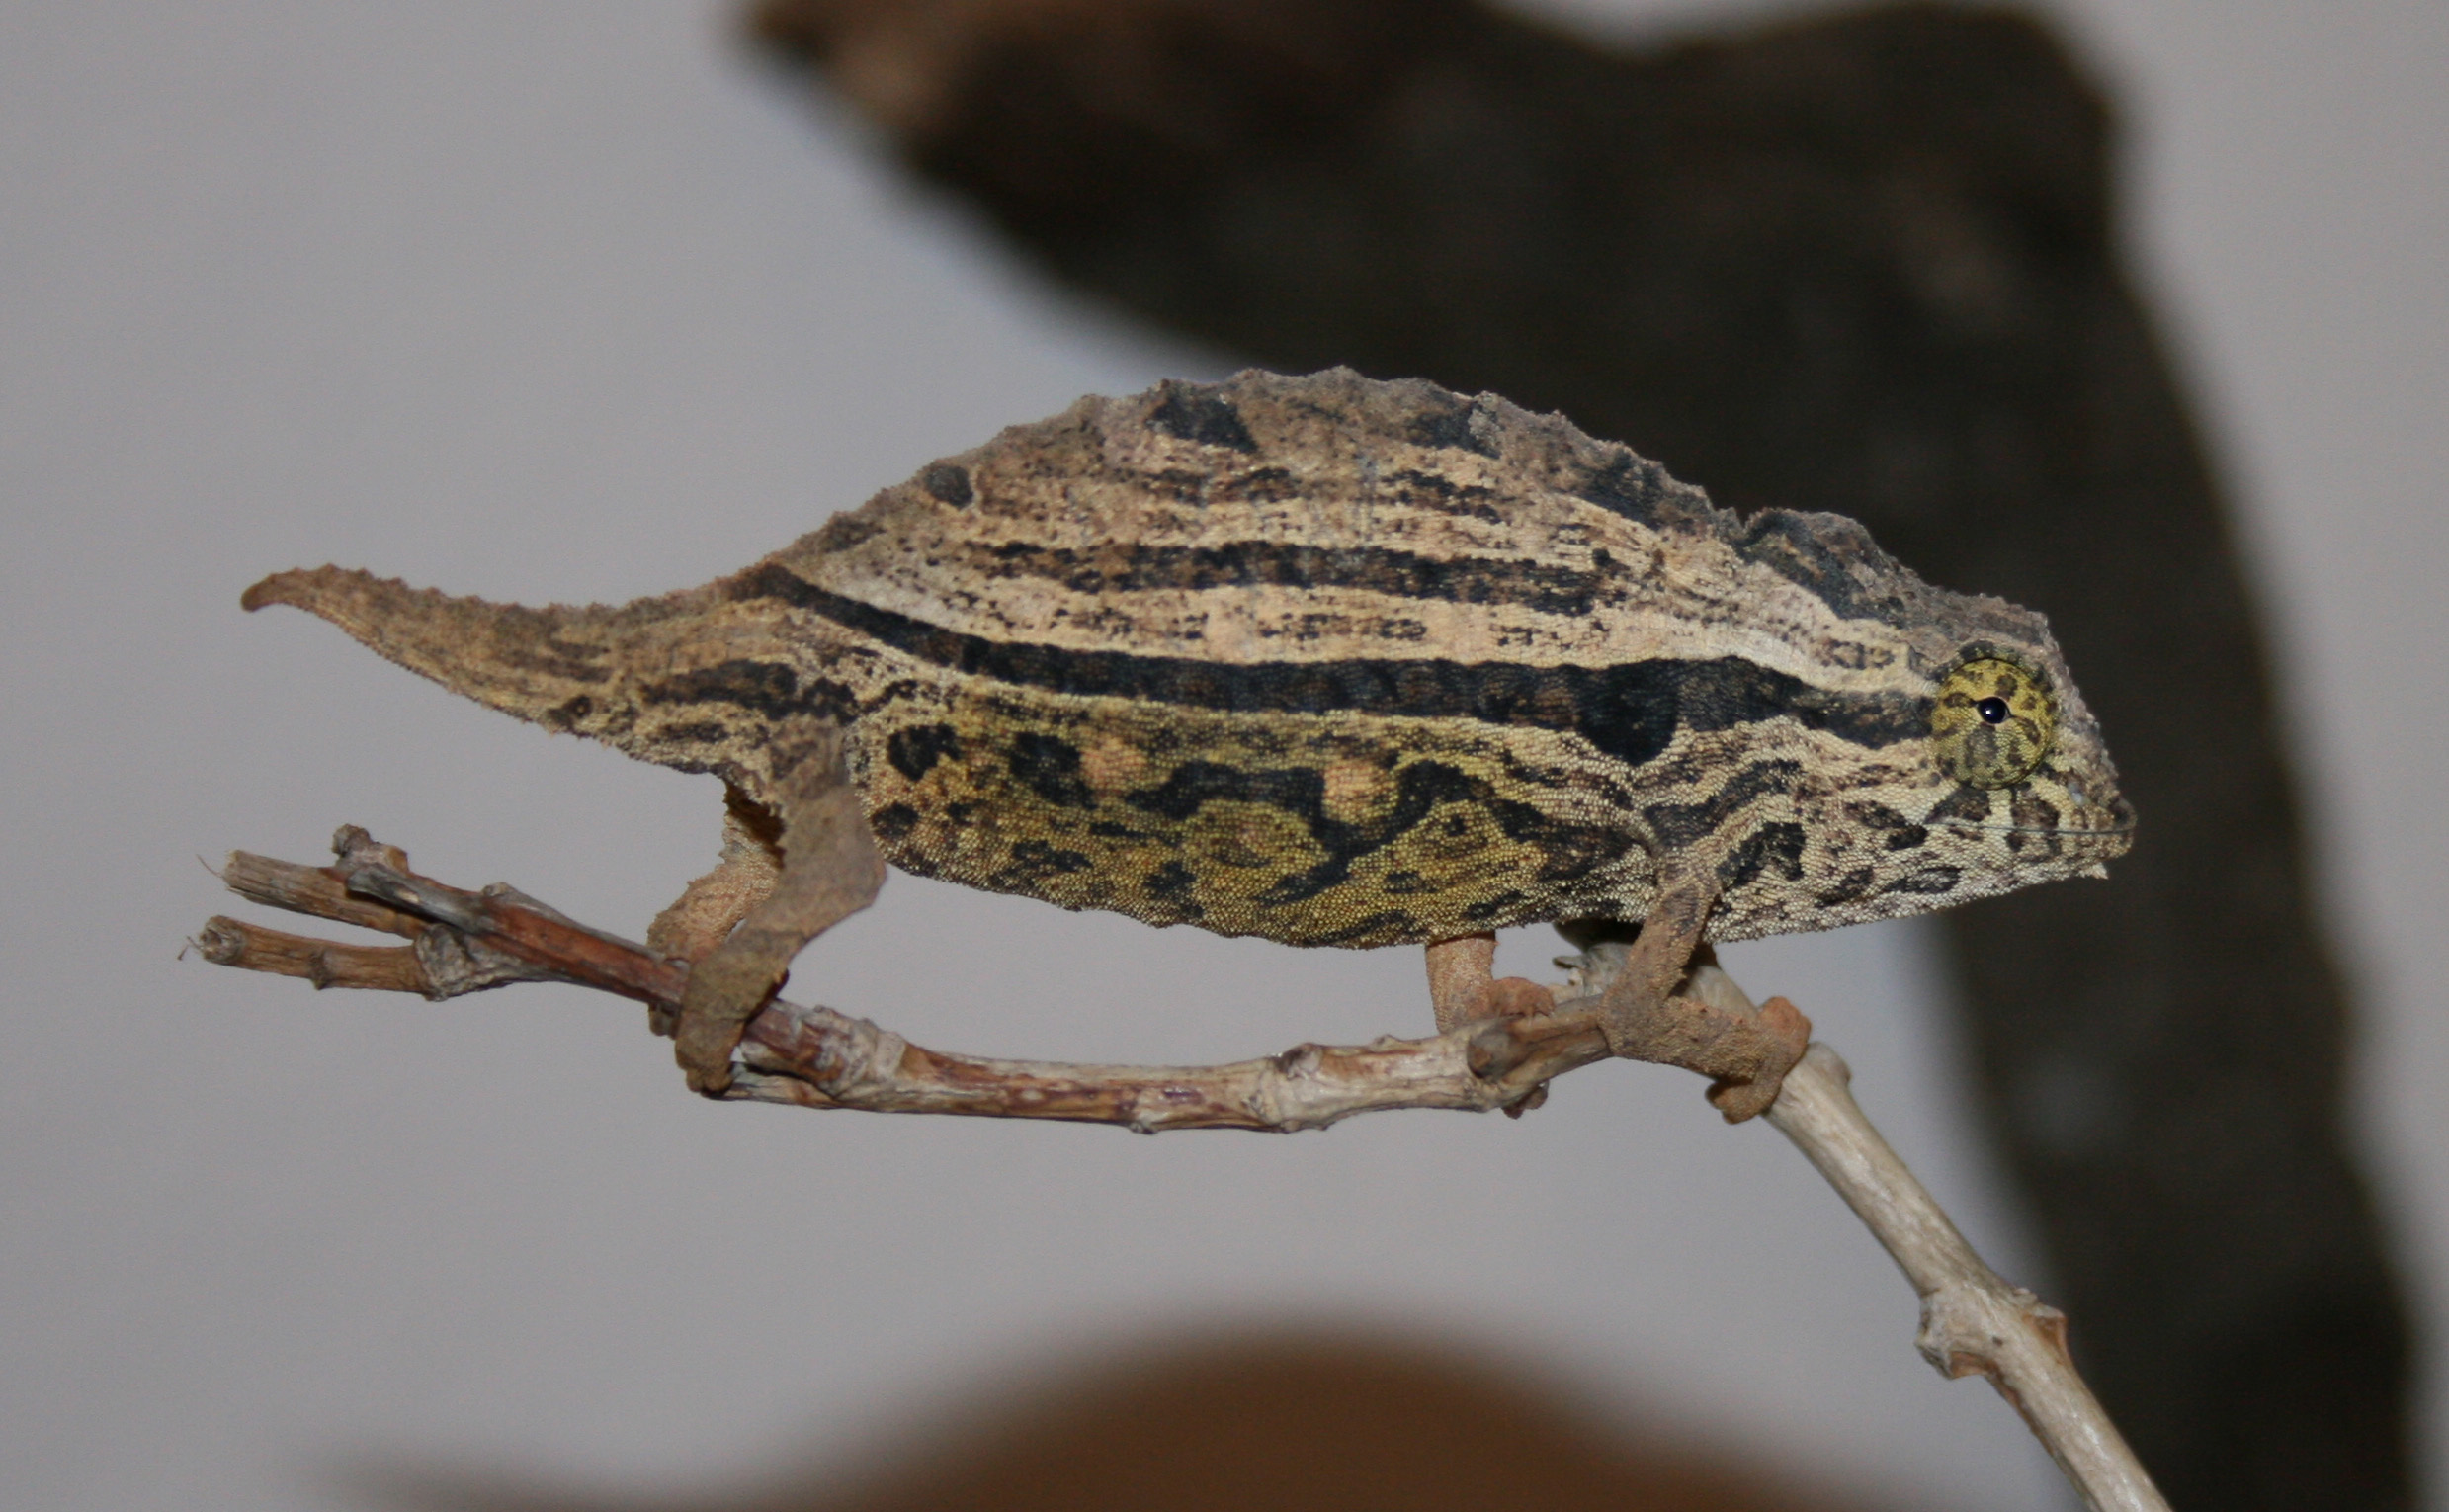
pixel 1954 757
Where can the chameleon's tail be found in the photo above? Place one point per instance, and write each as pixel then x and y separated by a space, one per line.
pixel 553 666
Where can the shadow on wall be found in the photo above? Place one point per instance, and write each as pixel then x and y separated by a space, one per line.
pixel 1286 1422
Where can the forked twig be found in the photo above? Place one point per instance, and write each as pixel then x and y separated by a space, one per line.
pixel 1972 1322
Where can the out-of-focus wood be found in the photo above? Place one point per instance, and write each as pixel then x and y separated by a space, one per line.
pixel 1865 259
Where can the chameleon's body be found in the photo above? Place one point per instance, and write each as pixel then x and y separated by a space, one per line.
pixel 1335 662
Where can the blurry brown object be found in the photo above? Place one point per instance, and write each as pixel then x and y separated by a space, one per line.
pixel 1864 262
pixel 1284 1421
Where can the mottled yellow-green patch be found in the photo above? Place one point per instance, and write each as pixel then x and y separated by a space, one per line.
pixel 1992 722
pixel 1312 829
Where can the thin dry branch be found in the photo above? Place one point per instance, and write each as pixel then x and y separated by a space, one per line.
pixel 1973 1320
pixel 229 942
pixel 815 1058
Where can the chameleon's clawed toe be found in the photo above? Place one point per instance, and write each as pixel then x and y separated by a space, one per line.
pixel 1784 1035
pixel 1746 1052
pixel 725 992
pixel 701 1044
pixel 1518 998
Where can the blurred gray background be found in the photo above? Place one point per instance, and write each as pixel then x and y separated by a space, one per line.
pixel 566 302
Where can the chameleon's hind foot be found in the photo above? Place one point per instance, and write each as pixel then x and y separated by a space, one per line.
pixel 1464 986
pixel 831 869
pixel 703 917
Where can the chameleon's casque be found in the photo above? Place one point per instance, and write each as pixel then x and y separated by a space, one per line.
pixel 1336 662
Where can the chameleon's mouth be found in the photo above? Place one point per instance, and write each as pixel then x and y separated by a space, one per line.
pixel 2063 830
pixel 2088 847
pixel 2110 837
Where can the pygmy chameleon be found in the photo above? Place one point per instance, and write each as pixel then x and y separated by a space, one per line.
pixel 1326 661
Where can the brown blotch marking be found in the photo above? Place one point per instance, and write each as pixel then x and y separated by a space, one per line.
pixel 949 484
pixel 1196 412
pixel 1447 422
pixel 914 749
pixel 1040 856
pixel 566 714
pixel 1494 907
pixel 1110 765
pixel 1968 805
pixel 843 532
pixel 1050 765
pixel 894 821
pixel 1774 848
pixel 1928 882
pixel 1355 788
pixel 2037 823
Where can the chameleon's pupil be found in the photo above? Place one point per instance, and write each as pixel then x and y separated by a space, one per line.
pixel 1991 711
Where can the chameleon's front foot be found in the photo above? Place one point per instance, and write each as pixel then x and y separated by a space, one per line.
pixel 1745 1052
pixel 1745 1055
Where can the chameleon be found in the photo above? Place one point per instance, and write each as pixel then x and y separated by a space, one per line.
pixel 1323 659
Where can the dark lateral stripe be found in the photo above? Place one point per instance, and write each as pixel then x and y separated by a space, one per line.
pixel 1630 711
pixel 1124 569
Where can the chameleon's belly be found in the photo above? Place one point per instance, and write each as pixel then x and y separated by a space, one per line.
pixel 1312 829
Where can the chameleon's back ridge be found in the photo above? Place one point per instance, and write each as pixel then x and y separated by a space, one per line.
pixel 1337 661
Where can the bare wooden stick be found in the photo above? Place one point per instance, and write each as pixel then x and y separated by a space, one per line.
pixel 1972 1322
pixel 229 942
pixel 818 1058
pixel 815 1058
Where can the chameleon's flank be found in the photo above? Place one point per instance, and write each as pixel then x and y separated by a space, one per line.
pixel 1325 660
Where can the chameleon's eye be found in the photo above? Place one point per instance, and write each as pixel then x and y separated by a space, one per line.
pixel 1992 724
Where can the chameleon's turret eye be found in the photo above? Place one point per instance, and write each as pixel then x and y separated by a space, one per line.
pixel 1992 724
